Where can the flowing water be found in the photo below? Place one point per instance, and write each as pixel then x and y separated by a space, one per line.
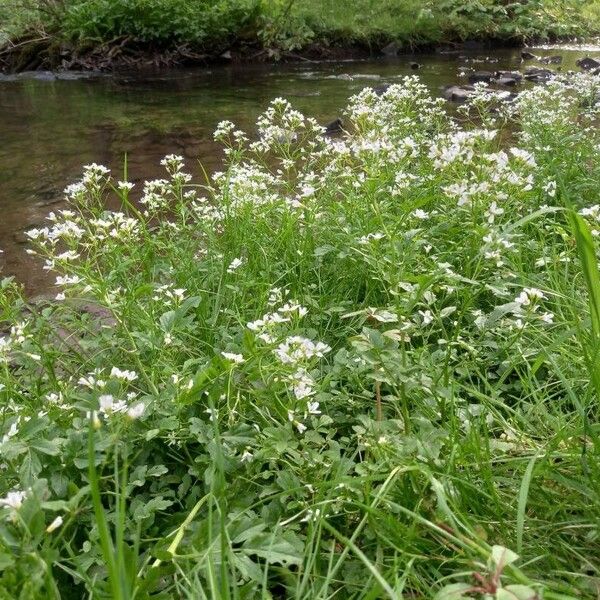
pixel 50 127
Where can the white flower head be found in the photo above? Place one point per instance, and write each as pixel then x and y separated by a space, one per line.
pixel 235 264
pixel 136 411
pixel 54 525
pixel 247 456
pixel 13 499
pixel 238 359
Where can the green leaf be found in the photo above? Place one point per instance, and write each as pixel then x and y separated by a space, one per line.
pixel 6 561
pixel 503 557
pixel 522 504
pixel 147 509
pixel 167 320
pixel 249 533
pixel 516 592
pixel 454 591
pixel 157 471
pixel 50 447
pixel 275 551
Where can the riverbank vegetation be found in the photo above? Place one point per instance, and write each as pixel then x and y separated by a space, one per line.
pixel 363 367
pixel 59 31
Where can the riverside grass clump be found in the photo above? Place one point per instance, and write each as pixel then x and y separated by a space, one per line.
pixel 363 367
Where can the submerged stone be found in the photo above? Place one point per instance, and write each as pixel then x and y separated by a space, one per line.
pixel 538 75
pixel 381 89
pixel 588 63
pixel 481 76
pixel 552 60
pixel 509 74
pixel 335 126
pixel 528 56
pixel 456 93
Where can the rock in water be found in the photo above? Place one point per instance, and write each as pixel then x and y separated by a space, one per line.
pixel 481 76
pixel 335 126
pixel 528 56
pixel 537 75
pixel 588 63
pixel 455 93
pixel 381 89
pixel 508 77
pixel 551 60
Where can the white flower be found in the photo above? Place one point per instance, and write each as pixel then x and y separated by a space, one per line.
pixel 290 307
pixel 238 359
pixel 247 456
pixel 550 188
pixel 91 381
pixel 427 316
pixel 12 431
pixel 493 211
pixel 523 155
pixel 302 384
pixel 313 408
pixel 224 128
pixel 235 264
pixel 13 500
pixel 124 375
pixel 125 186
pixel 529 296
pixel 92 415
pixel 109 405
pixel 311 515
pixel 297 348
pixel 66 280
pixel 365 239
pixel 54 525
pixel 136 411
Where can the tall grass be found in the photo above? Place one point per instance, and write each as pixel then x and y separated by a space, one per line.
pixel 361 367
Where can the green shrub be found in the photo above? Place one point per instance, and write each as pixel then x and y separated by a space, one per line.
pixel 164 22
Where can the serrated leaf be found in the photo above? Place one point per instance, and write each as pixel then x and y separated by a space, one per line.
pixel 275 551
pixel 249 533
pixel 50 447
pixel 143 511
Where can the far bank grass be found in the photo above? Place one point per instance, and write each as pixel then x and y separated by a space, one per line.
pixel 280 26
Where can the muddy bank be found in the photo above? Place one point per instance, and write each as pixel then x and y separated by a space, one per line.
pixel 47 54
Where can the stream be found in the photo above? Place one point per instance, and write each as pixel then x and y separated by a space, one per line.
pixel 50 126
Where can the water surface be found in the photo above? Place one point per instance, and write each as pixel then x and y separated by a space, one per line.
pixel 50 128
